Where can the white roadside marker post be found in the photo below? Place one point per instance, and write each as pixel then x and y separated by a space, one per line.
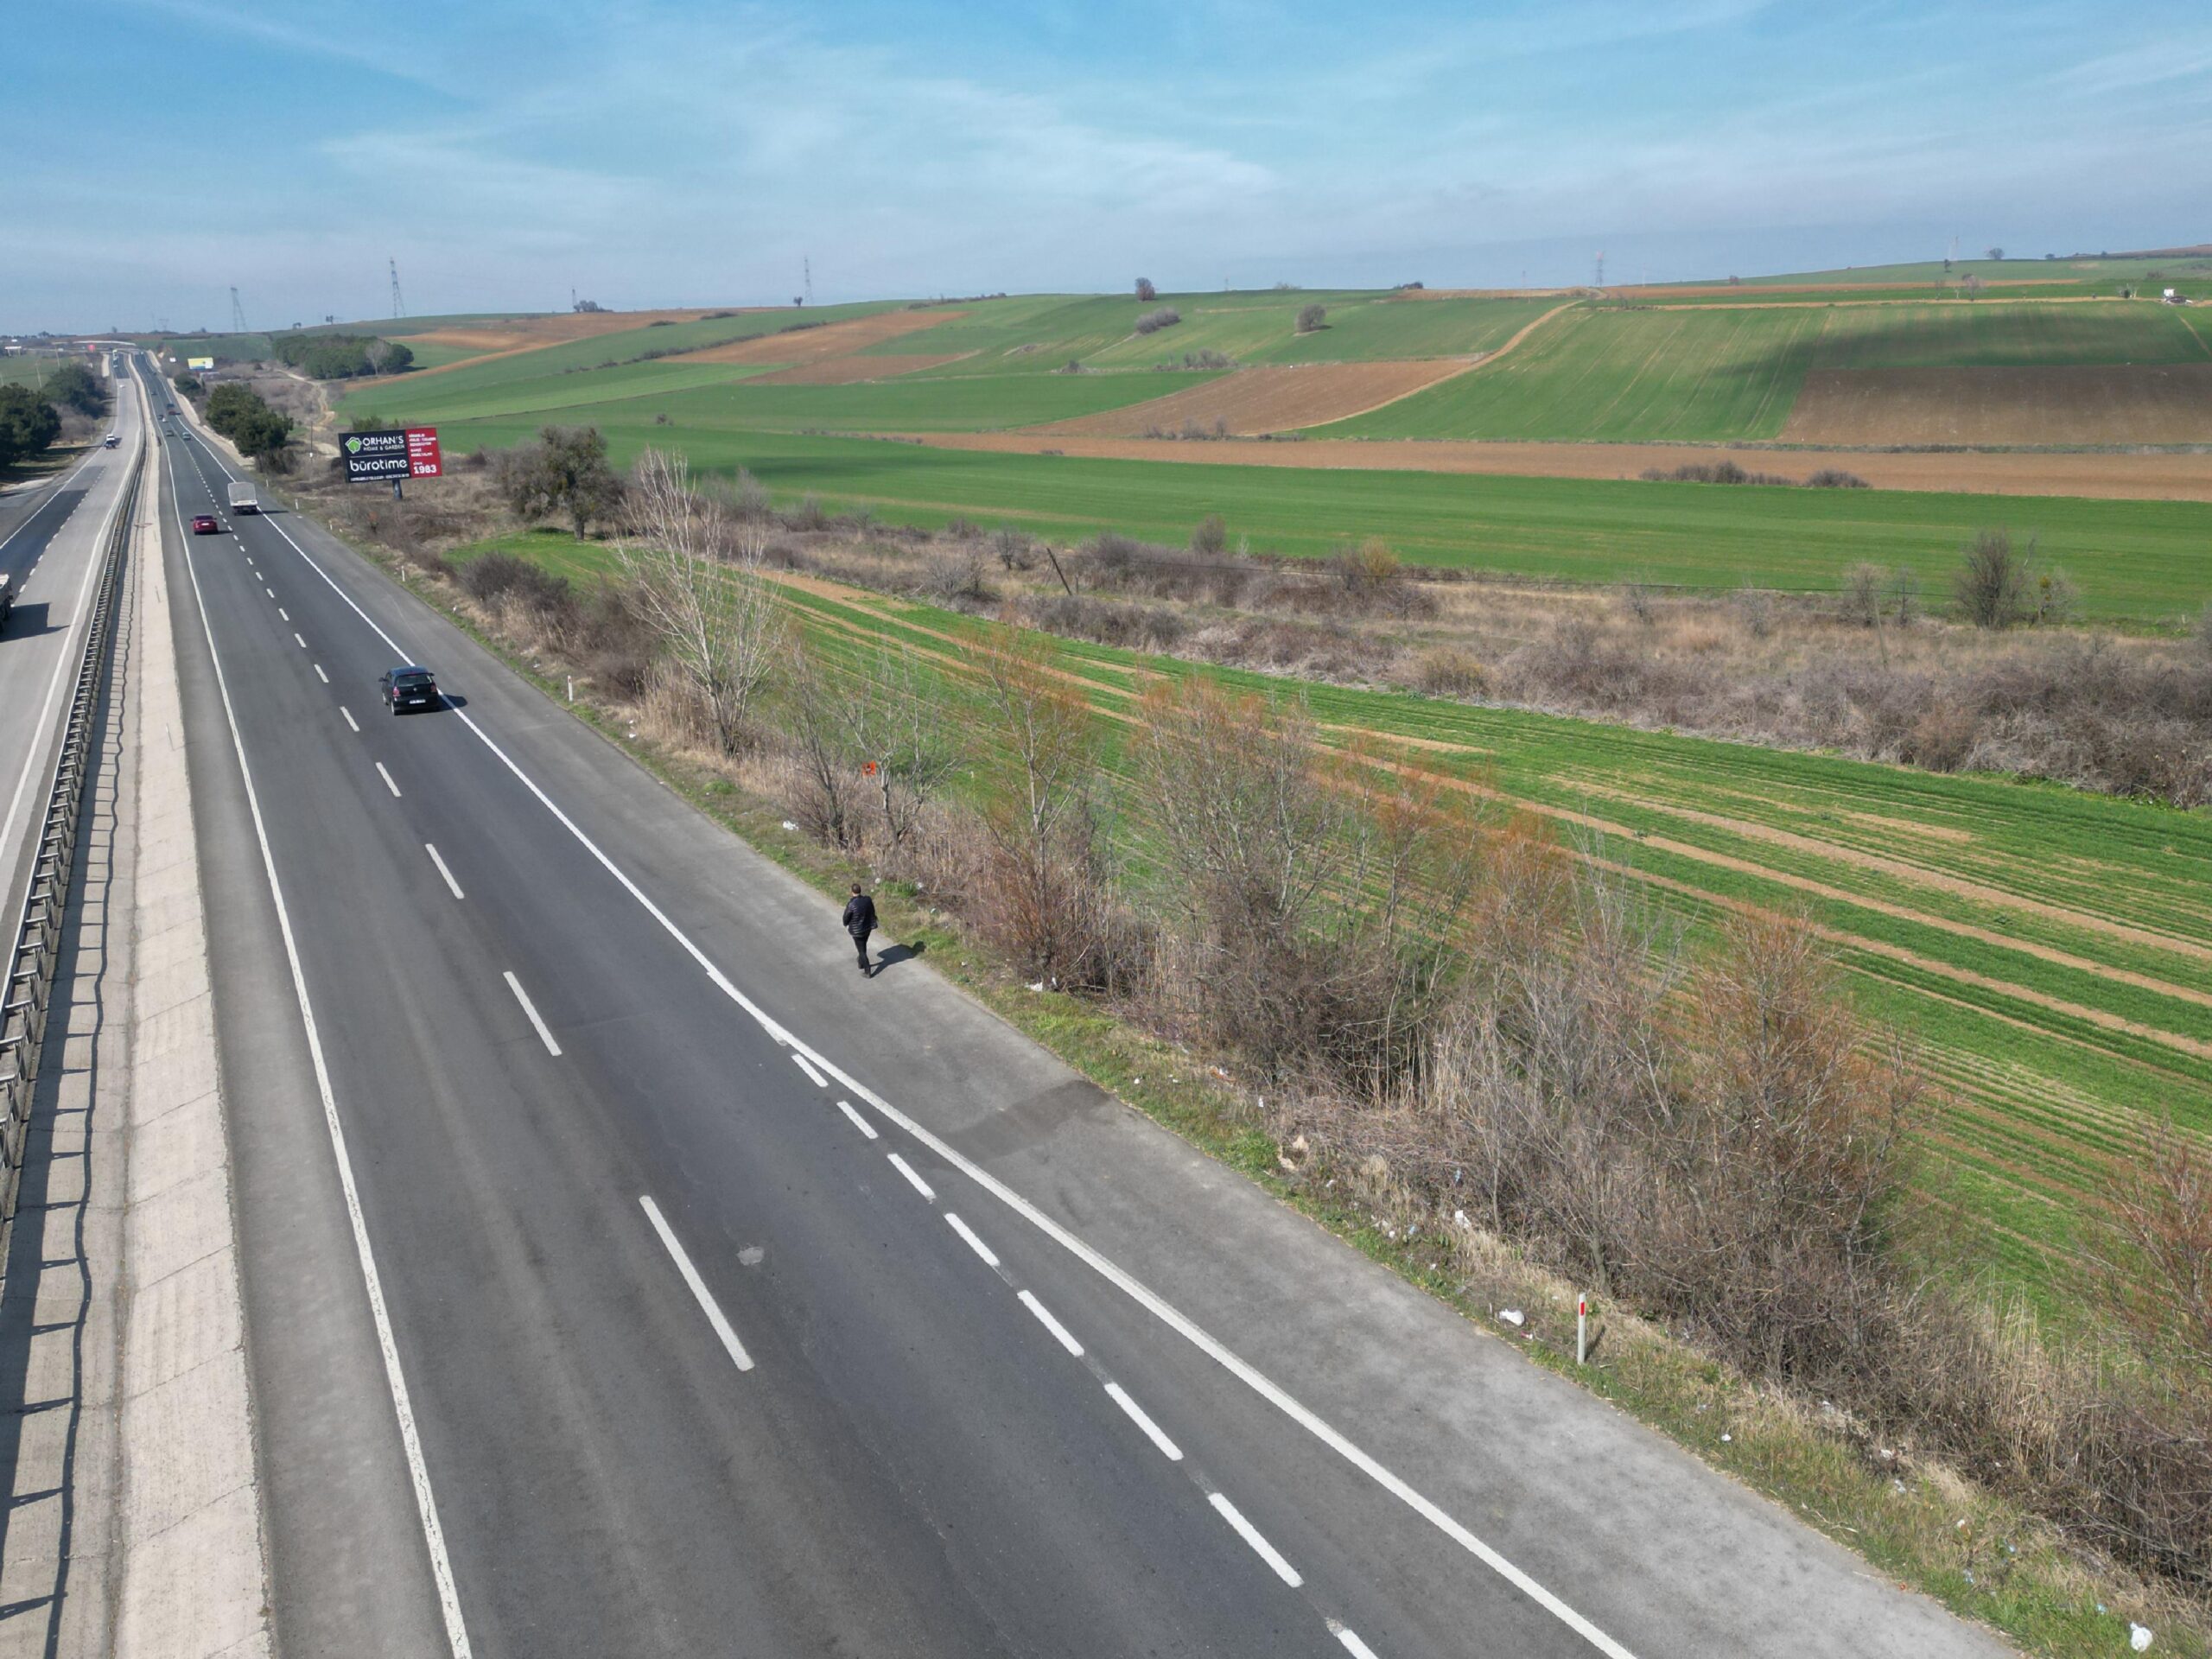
pixel 1581 1328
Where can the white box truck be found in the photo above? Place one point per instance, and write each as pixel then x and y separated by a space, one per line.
pixel 243 500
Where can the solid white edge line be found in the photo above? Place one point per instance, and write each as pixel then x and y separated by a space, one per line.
pixel 1250 1534
pixel 820 1082
pixel 912 1180
pixel 1137 1414
pixel 1146 1298
pixel 388 784
pixel 706 1303
pixel 1352 1644
pixel 320 675
pixel 859 1122
pixel 348 713
pixel 442 870
pixel 62 663
pixel 1044 1318
pixel 410 1441
pixel 56 489
pixel 531 1008
pixel 966 1233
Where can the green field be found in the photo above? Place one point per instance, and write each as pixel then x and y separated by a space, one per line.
pixel 2046 949
pixel 2140 561
pixel 1037 334
pixel 624 349
pixel 711 398
pixel 34 372
pixel 1712 375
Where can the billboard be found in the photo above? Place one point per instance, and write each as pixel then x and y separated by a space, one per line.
pixel 197 363
pixel 379 457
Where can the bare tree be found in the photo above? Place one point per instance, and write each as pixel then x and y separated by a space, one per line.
pixel 1312 318
pixel 1145 290
pixel 715 617
pixel 1040 813
pixel 827 774
pixel 893 723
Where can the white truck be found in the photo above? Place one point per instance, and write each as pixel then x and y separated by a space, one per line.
pixel 242 499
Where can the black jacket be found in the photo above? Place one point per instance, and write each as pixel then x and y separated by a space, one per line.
pixel 859 916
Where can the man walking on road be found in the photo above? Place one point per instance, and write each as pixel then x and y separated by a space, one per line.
pixel 859 922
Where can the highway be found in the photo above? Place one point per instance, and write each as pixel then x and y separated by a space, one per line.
pixel 47 540
pixel 626 1275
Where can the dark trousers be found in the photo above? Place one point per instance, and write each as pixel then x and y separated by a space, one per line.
pixel 860 945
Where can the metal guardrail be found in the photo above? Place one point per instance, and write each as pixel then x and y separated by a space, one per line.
pixel 37 945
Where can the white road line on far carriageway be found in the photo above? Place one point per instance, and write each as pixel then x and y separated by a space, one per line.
pixel 1135 1288
pixel 63 661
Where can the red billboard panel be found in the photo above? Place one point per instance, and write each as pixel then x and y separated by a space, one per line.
pixel 422 459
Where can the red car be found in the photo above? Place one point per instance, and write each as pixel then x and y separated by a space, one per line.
pixel 204 523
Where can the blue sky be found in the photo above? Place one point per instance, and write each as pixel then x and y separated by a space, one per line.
pixel 647 152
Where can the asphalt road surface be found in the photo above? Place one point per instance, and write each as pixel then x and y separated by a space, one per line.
pixel 48 540
pixel 626 1275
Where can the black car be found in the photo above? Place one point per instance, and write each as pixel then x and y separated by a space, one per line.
pixel 409 687
pixel 7 601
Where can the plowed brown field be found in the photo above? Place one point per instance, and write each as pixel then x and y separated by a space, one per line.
pixel 2148 478
pixel 2080 403
pixel 845 371
pixel 1273 398
pixel 805 345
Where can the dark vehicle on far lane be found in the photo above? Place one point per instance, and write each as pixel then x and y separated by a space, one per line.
pixel 7 601
pixel 205 523
pixel 410 687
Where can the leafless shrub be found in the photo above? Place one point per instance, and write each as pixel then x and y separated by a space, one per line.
pixel 1446 671
pixel 1636 599
pixel 1993 582
pixel 1755 610
pixel 717 621
pixel 1014 549
pixel 1834 478
pixel 1137 627
pixel 1716 472
pixel 1862 593
pixel 1153 321
pixel 1211 539
pixel 1312 318
pixel 953 576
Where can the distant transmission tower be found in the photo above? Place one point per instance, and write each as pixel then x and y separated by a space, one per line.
pixel 398 305
pixel 806 264
pixel 237 314
pixel 1600 283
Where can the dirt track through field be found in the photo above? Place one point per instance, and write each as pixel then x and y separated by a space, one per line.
pixel 2135 403
pixel 1273 397
pixel 2168 477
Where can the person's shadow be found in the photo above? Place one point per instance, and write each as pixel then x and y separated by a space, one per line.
pixel 891 954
